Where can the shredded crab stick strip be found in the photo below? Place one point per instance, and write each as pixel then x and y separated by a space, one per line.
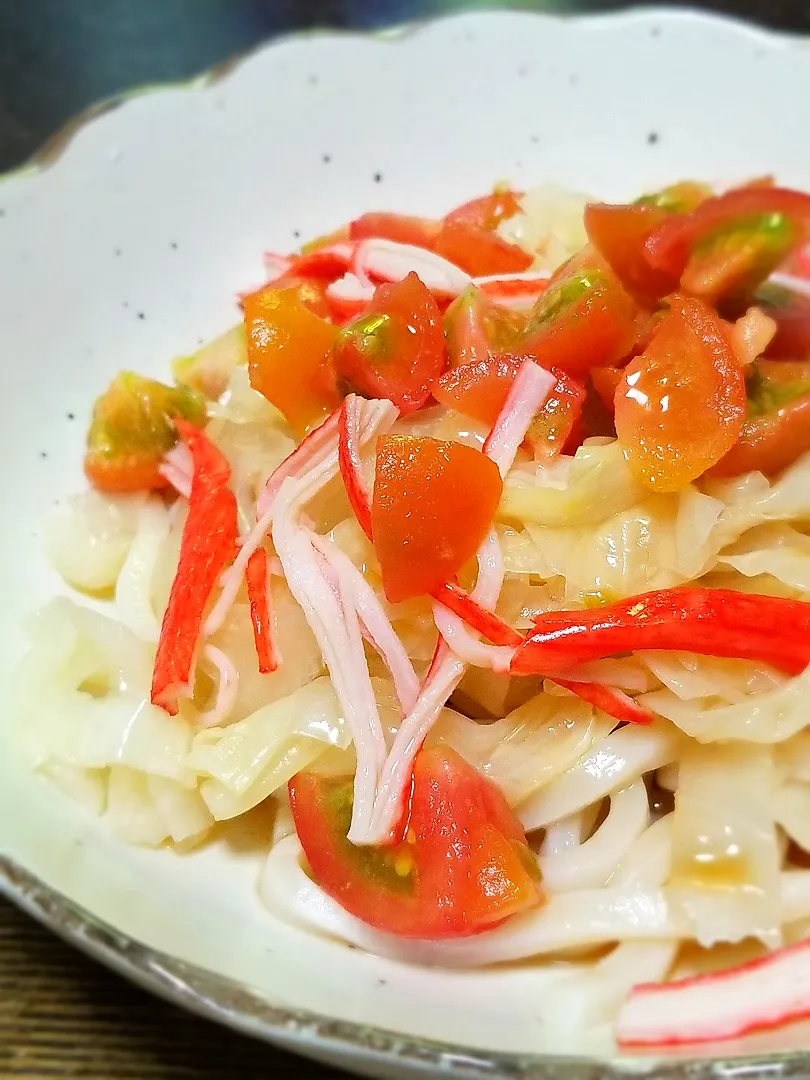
pixel 756 996
pixel 261 614
pixel 318 451
pixel 334 622
pixel 527 394
pixel 453 608
pixel 227 687
pixel 333 614
pixel 375 622
pixel 711 622
pixel 351 467
pixel 207 546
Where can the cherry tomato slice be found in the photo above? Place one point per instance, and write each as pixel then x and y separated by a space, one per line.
pixel 731 243
pixel 605 381
pixel 311 291
pixel 681 403
pixel 619 233
pixel 289 351
pixel 402 228
pixel 791 313
pixel 583 319
pixel 475 327
pixel 556 422
pixel 479 251
pixel 478 389
pixel 432 505
pixel 487 211
pixel 777 428
pixel 131 429
pixel 396 349
pixel 463 866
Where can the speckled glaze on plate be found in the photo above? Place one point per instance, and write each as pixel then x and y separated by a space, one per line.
pixel 125 243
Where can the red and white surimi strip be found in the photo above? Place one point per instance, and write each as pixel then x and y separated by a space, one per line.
pixel 792 282
pixel 351 466
pixel 762 994
pixel 387 260
pixel 316 455
pixel 530 388
pixel 333 619
pixel 376 624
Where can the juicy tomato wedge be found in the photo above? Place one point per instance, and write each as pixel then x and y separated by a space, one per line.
pixel 463 867
pixel 289 350
pixel 791 313
pixel 478 389
pixel 620 233
pixel 731 243
pixel 777 428
pixel 475 327
pixel 432 505
pixel 556 422
pixel 131 429
pixel 487 211
pixel 583 319
pixel 402 228
pixel 605 381
pixel 396 349
pixel 311 291
pixel 681 403
pixel 479 251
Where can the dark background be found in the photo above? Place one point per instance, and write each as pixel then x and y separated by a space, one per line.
pixel 60 1015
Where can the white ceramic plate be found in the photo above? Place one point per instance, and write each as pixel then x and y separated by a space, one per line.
pixel 129 249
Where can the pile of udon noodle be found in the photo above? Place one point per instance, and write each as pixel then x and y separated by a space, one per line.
pixel 691 830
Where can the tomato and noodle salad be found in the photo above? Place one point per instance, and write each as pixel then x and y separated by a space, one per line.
pixel 479 551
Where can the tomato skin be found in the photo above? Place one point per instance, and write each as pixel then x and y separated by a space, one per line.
pixel 584 318
pixel 289 350
pixel 620 233
pixel 463 866
pixel 479 251
pixel 311 291
pixel 681 404
pixel 402 228
pixel 396 349
pixel 432 505
pixel 777 428
pixel 731 242
pixel 478 389
pixel 605 381
pixel 487 211
pixel 791 313
pixel 555 424
pixel 132 428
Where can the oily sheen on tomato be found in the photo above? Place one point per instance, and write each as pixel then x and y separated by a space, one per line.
pixel 289 350
pixel 462 867
pixel 681 403
pixel 396 349
pixel 432 505
pixel 585 318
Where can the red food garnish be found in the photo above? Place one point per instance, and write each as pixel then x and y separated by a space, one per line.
pixel 289 351
pixel 208 545
pixel 433 503
pixel 260 612
pixel 396 349
pixel 681 404
pixel 462 867
pixel 711 622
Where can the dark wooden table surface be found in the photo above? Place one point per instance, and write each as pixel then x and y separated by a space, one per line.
pixel 60 1014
